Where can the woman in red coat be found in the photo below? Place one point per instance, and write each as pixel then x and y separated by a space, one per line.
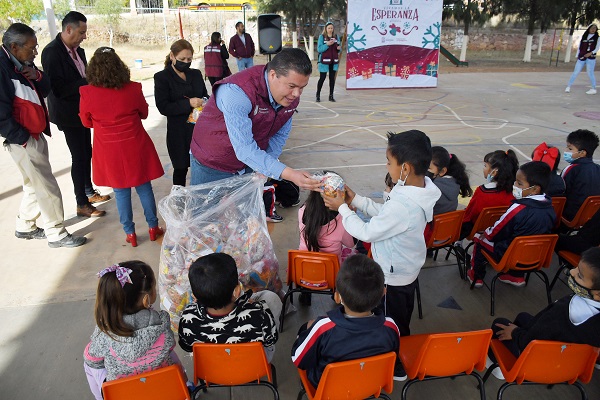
pixel 123 155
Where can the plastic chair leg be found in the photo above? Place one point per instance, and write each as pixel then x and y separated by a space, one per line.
pixel 419 307
pixel 579 386
pixel 544 277
pixel 561 269
pixel 282 316
pixel 489 372
pixel 505 386
pixel 301 393
pixel 493 290
pixel 274 374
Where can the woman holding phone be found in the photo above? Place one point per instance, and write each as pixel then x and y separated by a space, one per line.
pixel 329 50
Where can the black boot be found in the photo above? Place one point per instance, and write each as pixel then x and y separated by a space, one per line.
pixel 331 98
pixel 318 98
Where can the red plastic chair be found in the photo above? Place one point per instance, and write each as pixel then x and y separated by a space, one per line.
pixel 240 364
pixel 444 355
pixel 487 217
pixel 585 213
pixel 528 254
pixel 559 205
pixel 545 363
pixel 353 379
pixel 310 272
pixel 159 384
pixel 446 231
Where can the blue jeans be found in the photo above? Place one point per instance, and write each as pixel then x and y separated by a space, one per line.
pixel 244 63
pixel 146 195
pixel 589 66
pixel 203 174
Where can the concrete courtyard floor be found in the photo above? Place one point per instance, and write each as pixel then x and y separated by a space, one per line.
pixel 47 295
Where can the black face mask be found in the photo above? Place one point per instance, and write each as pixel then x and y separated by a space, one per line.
pixel 430 175
pixel 182 66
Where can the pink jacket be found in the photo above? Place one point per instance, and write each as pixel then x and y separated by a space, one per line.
pixel 331 238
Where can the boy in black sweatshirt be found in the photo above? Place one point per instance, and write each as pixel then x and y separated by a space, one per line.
pixel 530 214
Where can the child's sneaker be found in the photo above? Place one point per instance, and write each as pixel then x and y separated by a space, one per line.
pixel 278 203
pixel 274 217
pixel 497 372
pixel 512 280
pixel 471 277
pixel 568 89
pixel 399 372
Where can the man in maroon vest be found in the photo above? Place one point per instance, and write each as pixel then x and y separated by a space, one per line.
pixel 241 47
pixel 247 121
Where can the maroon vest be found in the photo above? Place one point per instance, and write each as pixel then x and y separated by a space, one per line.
pixel 210 143
pixel 330 56
pixel 213 63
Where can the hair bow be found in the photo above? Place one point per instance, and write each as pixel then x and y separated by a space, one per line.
pixel 546 154
pixel 121 272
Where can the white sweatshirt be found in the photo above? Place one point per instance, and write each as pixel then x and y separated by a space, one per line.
pixel 395 229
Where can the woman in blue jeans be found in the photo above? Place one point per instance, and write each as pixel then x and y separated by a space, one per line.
pixel 586 56
pixel 123 155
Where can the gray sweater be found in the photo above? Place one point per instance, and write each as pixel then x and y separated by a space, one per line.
pixel 147 349
pixel 448 201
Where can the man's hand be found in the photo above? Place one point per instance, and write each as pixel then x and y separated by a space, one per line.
pixel 505 333
pixel 301 178
pixel 29 72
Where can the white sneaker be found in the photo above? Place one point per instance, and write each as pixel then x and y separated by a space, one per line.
pixel 591 91
pixel 497 372
pixel 568 89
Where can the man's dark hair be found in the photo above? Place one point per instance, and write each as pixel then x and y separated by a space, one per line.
pixel 412 147
pixel 360 283
pixel 73 18
pixel 213 279
pixel 18 34
pixel 583 139
pixel 238 24
pixel 592 258
pixel 537 173
pixel 290 60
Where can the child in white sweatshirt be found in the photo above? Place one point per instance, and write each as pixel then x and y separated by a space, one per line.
pixel 396 227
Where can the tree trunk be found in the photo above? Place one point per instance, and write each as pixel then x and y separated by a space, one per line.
pixel 527 56
pixel 111 34
pixel 541 42
pixel 463 50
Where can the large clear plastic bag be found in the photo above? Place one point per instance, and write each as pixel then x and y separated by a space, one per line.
pixel 225 216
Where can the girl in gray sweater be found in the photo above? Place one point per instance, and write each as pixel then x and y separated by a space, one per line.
pixel 130 337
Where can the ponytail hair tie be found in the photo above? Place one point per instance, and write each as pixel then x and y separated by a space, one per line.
pixel 121 272
pixel 450 156
pixel 506 152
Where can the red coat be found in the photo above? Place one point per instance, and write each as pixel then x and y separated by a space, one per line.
pixel 123 154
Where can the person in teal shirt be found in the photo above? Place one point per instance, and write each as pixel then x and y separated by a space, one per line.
pixel 329 49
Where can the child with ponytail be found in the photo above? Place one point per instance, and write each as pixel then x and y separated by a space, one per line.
pixel 449 174
pixel 130 337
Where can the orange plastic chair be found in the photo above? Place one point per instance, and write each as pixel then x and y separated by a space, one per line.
pixel 239 364
pixel 159 384
pixel 559 205
pixel 527 254
pixel 446 231
pixel 353 379
pixel 585 213
pixel 444 355
pixel 310 272
pixel 545 363
pixel 487 217
pixel 566 261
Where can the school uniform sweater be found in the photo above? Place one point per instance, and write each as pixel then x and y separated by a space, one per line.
pixel 582 179
pixel 395 229
pixel 486 196
pixel 554 323
pixel 532 215
pixel 337 337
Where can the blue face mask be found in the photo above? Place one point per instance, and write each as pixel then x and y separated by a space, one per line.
pixel 568 156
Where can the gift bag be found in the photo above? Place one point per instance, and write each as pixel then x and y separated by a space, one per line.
pixel 224 216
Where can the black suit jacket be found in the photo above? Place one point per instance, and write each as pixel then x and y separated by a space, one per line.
pixel 63 101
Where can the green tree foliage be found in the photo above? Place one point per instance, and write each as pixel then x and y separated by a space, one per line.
pixel 468 12
pixel 110 12
pixel 534 12
pixel 580 12
pixel 19 11
pixel 61 8
pixel 305 14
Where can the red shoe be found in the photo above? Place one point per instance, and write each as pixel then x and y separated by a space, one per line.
pixel 512 280
pixel 471 277
pixel 155 232
pixel 131 238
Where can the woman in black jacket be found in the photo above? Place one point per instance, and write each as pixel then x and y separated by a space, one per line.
pixel 178 89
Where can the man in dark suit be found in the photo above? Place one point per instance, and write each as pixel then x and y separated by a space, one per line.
pixel 64 62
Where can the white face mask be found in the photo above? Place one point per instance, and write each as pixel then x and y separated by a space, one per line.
pixel 401 182
pixel 490 177
pixel 518 192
